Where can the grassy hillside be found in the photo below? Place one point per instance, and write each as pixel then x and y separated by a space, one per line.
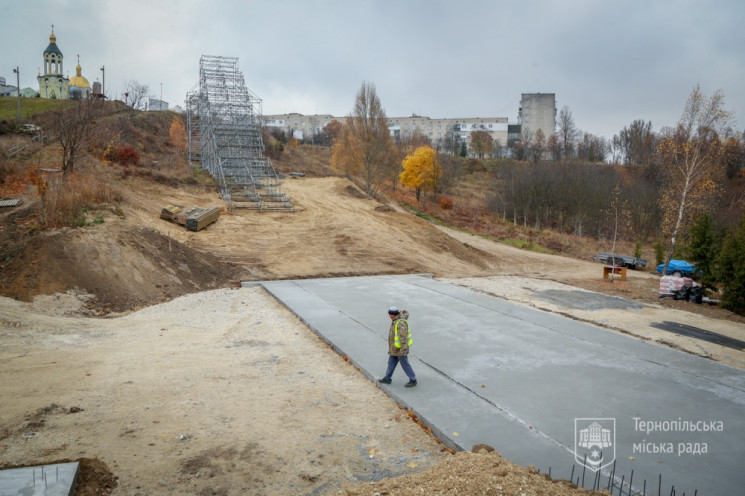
pixel 30 107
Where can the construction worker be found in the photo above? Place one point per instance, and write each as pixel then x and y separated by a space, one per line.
pixel 399 340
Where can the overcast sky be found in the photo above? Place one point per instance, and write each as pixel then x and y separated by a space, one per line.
pixel 610 62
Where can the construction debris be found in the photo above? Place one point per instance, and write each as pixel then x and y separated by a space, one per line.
pixel 10 203
pixel 169 212
pixel 184 214
pixel 202 218
pixel 193 218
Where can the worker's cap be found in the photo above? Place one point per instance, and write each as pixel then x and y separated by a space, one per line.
pixel 393 311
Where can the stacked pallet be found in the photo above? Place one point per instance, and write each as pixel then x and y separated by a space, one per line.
pixel 184 214
pixel 670 284
pixel 169 212
pixel 194 218
pixel 202 218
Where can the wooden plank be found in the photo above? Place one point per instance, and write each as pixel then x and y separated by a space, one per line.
pixel 202 218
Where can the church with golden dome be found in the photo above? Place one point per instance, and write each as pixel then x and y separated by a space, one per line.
pixel 80 88
pixel 53 83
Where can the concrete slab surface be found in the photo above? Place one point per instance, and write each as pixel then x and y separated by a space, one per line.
pixel 519 379
pixel 42 480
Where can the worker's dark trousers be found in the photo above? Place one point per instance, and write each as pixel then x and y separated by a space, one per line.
pixel 393 361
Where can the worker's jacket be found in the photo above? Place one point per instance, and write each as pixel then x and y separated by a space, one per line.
pixel 404 335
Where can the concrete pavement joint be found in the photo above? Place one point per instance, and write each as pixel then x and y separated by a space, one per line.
pixel 590 322
pixel 511 416
pixel 544 379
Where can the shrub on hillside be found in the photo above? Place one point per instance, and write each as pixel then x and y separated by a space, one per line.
pixel 65 199
pixel 125 155
pixel 446 203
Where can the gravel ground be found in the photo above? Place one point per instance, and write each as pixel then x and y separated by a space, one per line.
pixel 218 392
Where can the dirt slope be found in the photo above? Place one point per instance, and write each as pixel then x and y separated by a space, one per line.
pixel 224 391
pixel 335 230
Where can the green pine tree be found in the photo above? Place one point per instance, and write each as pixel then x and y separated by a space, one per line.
pixel 704 247
pixel 731 269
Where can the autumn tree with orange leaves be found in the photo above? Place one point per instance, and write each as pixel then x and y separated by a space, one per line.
pixel 177 134
pixel 422 171
pixel 365 148
pixel 690 157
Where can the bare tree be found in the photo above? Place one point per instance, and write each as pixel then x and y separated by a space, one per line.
pixel 616 149
pixel 618 218
pixel 74 127
pixel 539 146
pixel 136 94
pixel 691 160
pixel 452 170
pixel 568 132
pixel 451 142
pixel 366 147
pixel 481 142
pixel 592 148
pixel 411 141
pixel 521 148
pixel 554 147
pixel 637 142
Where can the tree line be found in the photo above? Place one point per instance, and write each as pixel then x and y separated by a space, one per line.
pixel 639 186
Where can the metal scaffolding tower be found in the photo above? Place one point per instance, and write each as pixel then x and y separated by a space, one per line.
pixel 223 120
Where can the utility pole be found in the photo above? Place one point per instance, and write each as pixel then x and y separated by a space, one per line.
pixel 160 103
pixel 18 92
pixel 103 83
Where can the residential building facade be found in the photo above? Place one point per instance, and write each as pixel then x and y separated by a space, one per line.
pixel 301 126
pixel 537 112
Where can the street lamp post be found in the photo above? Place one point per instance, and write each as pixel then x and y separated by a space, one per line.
pixel 18 91
pixel 103 85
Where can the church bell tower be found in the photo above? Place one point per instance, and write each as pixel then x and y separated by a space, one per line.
pixel 53 83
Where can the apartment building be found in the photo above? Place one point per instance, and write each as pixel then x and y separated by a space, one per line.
pixel 438 130
pixel 301 126
pixel 538 111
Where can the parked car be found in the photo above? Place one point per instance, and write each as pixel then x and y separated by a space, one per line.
pixel 621 260
pixel 30 128
pixel 678 268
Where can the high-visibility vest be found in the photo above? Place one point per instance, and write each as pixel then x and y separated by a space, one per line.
pixel 396 341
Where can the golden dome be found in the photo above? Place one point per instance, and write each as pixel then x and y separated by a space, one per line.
pixel 52 38
pixel 78 81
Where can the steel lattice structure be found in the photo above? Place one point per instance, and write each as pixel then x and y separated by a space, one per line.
pixel 223 122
